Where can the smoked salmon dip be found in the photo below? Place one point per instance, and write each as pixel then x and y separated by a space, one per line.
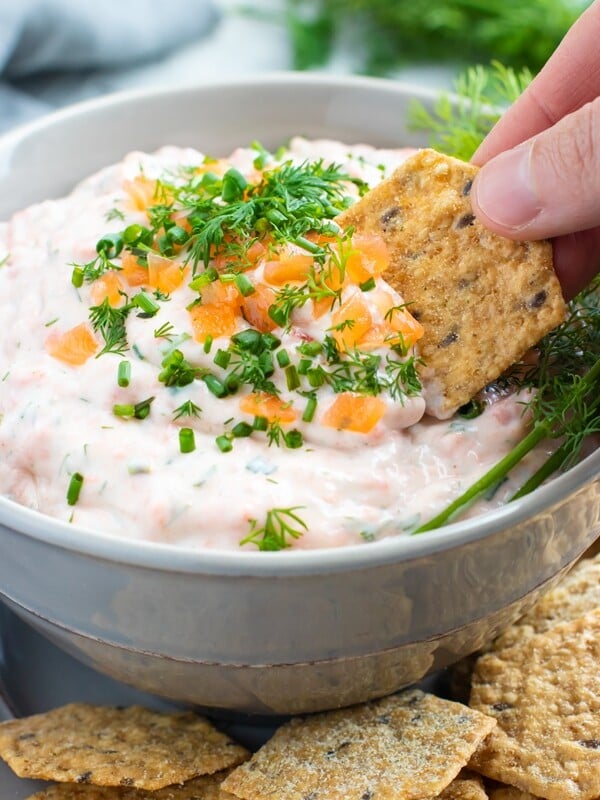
pixel 194 353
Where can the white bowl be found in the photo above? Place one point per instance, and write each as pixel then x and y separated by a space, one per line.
pixel 268 632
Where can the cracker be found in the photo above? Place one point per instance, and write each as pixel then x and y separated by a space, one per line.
pixel 545 694
pixel 106 746
pixel 466 786
pixel 204 788
pixel 574 596
pixel 409 745
pixel 483 300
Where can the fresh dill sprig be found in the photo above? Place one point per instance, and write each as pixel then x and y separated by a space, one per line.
pixel 110 323
pixel 459 123
pixel 187 409
pixel 280 527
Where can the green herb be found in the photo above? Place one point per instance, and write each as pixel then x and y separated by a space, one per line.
pixel 224 443
pixel 311 407
pixel 114 213
pixel 260 423
pixel 384 35
pixel 148 305
pixel 458 124
pixel 124 374
pixel 74 488
pixel 187 409
pixel 187 441
pixel 110 323
pixel 140 410
pixel 164 332
pixel 177 371
pixel 241 430
pixel 280 526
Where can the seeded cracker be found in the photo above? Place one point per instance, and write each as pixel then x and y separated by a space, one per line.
pixel 483 300
pixel 409 745
pixel 204 788
pixel 574 596
pixel 104 746
pixel 545 694
pixel 466 786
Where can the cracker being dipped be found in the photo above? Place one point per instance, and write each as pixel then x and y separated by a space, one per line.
pixel 483 300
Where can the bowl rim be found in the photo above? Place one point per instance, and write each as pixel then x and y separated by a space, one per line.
pixel 170 557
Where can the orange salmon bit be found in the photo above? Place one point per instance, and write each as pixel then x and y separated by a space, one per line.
pixel 354 412
pixel 212 320
pixel 74 346
pixel 261 404
pixel 164 274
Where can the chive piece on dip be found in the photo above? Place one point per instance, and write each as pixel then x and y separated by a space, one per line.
pixel 74 489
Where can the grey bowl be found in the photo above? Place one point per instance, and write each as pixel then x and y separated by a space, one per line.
pixel 269 633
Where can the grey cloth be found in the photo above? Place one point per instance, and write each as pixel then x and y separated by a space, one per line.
pixel 41 39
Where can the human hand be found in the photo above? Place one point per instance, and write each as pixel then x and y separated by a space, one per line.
pixel 541 173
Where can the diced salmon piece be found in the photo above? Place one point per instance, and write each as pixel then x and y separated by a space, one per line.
pixel 369 258
pixel 354 412
pixel 165 274
pixel 261 404
pixel 107 287
pixel 142 192
pixel 291 267
pixel 219 293
pixel 134 273
pixel 73 346
pixel 255 308
pixel 212 320
pixel 255 252
pixel 350 322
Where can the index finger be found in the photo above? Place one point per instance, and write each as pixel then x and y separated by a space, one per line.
pixel 569 80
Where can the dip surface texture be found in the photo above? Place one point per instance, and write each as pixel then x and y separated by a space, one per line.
pixel 353 464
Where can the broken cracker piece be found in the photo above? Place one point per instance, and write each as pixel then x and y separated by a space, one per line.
pixel 409 745
pixel 106 746
pixel 204 788
pixel 575 595
pixel 467 786
pixel 545 694
pixel 483 300
pixel 510 793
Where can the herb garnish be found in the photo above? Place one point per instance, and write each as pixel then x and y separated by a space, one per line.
pixel 109 322
pixel 280 527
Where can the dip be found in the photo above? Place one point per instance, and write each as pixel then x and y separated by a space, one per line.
pixel 254 385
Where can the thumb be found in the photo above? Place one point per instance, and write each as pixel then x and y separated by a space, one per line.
pixel 546 186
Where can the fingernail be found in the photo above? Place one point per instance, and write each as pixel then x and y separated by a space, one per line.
pixel 504 189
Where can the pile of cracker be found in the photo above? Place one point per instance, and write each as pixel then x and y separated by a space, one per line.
pixel 532 726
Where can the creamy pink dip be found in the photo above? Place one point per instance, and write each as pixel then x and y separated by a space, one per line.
pixel 58 419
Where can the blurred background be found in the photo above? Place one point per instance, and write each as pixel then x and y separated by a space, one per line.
pixel 56 52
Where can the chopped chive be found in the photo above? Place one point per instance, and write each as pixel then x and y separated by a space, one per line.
pixel 110 245
pixel 265 363
pixel 292 378
pixel 124 374
pixel 306 244
pixel 278 315
pixel 250 339
pixel 241 430
pixel 208 343
pixel 304 365
pixel 260 423
pixel 77 277
pixel 134 234
pixel 147 303
pixel 315 377
pixel 309 411
pixel 187 441
pixel 283 358
pixel 232 383
pixel 209 275
pixel 224 444
pixel 368 285
pixel 270 341
pixel 222 358
pixel 138 352
pixel 234 184
pixel 310 348
pixel 178 235
pixel 142 409
pixel 74 489
pixel 124 410
pixel 293 439
pixel 216 386
pixel 244 285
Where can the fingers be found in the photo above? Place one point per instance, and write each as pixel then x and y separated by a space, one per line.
pixel 577 260
pixel 570 79
pixel 547 186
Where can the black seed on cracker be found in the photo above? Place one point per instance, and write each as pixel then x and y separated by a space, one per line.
pixel 538 300
pixel 461 277
pixel 85 777
pixel 389 216
pixel 502 706
pixel 593 744
pixel 465 221
pixel 449 339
